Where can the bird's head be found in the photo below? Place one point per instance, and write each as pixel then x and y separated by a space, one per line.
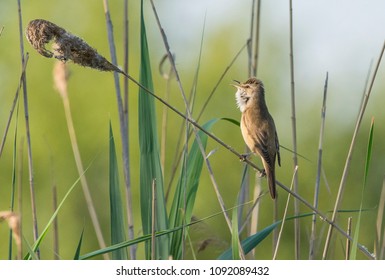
pixel 247 91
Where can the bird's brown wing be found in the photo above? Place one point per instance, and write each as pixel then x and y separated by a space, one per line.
pixel 262 145
pixel 257 140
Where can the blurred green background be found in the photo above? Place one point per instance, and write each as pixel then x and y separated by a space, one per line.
pixel 339 38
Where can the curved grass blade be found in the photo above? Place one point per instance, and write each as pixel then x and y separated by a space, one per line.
pixel 116 208
pixel 150 167
pixel 237 123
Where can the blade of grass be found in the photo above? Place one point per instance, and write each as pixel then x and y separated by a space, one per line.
pixel 349 157
pixel 153 224
pixel 353 254
pixel 116 208
pixel 150 168
pixel 235 236
pixel 251 242
pixel 77 253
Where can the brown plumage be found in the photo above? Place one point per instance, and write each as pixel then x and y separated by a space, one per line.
pixel 258 128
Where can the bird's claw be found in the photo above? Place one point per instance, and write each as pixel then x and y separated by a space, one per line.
pixel 243 157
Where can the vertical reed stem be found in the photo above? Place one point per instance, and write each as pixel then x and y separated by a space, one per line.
pixel 294 135
pixel 28 133
pixel 123 129
pixel 319 169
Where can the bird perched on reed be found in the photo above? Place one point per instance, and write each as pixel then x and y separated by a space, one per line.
pixel 258 128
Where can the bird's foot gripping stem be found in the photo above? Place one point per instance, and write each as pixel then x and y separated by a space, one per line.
pixel 244 157
pixel 262 173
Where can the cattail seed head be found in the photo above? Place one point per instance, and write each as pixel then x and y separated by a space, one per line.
pixel 66 46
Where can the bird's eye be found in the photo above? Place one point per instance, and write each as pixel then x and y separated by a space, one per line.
pixel 247 86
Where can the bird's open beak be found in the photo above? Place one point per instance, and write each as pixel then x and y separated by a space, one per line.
pixel 237 85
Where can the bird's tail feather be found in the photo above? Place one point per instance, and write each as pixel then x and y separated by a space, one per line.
pixel 270 174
